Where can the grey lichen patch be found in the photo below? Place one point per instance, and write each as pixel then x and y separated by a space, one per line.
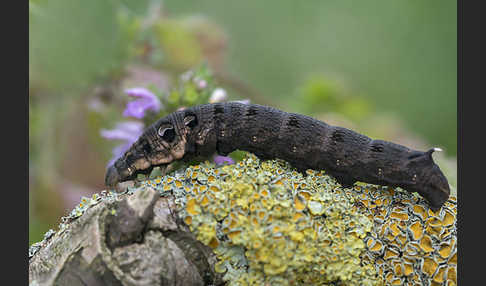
pixel 130 219
pixel 155 261
pixel 164 215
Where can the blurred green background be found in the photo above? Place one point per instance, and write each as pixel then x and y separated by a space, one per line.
pixel 383 68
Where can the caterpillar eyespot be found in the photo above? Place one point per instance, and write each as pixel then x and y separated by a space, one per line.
pixel 167 133
pixel 306 143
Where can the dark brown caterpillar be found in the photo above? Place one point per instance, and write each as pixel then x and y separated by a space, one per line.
pixel 304 142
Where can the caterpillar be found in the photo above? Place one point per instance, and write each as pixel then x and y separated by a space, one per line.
pixel 269 133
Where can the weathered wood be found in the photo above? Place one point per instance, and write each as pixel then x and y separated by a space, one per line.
pixel 131 240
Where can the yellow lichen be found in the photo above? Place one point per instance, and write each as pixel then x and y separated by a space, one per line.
pixel 192 207
pixel 429 266
pixel 416 230
pixel 399 215
pixel 270 225
pixel 298 204
pixel 425 239
pixel 426 244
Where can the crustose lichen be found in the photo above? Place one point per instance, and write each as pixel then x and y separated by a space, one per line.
pixel 270 224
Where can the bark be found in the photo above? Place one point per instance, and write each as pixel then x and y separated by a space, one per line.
pixel 134 239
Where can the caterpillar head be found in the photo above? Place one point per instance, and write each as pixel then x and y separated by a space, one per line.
pixel 427 179
pixel 162 143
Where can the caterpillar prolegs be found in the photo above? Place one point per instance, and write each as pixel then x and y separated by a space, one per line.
pixel 306 143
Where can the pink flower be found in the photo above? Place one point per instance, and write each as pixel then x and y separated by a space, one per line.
pixel 146 101
pixel 128 132
pixel 200 83
pixel 220 160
